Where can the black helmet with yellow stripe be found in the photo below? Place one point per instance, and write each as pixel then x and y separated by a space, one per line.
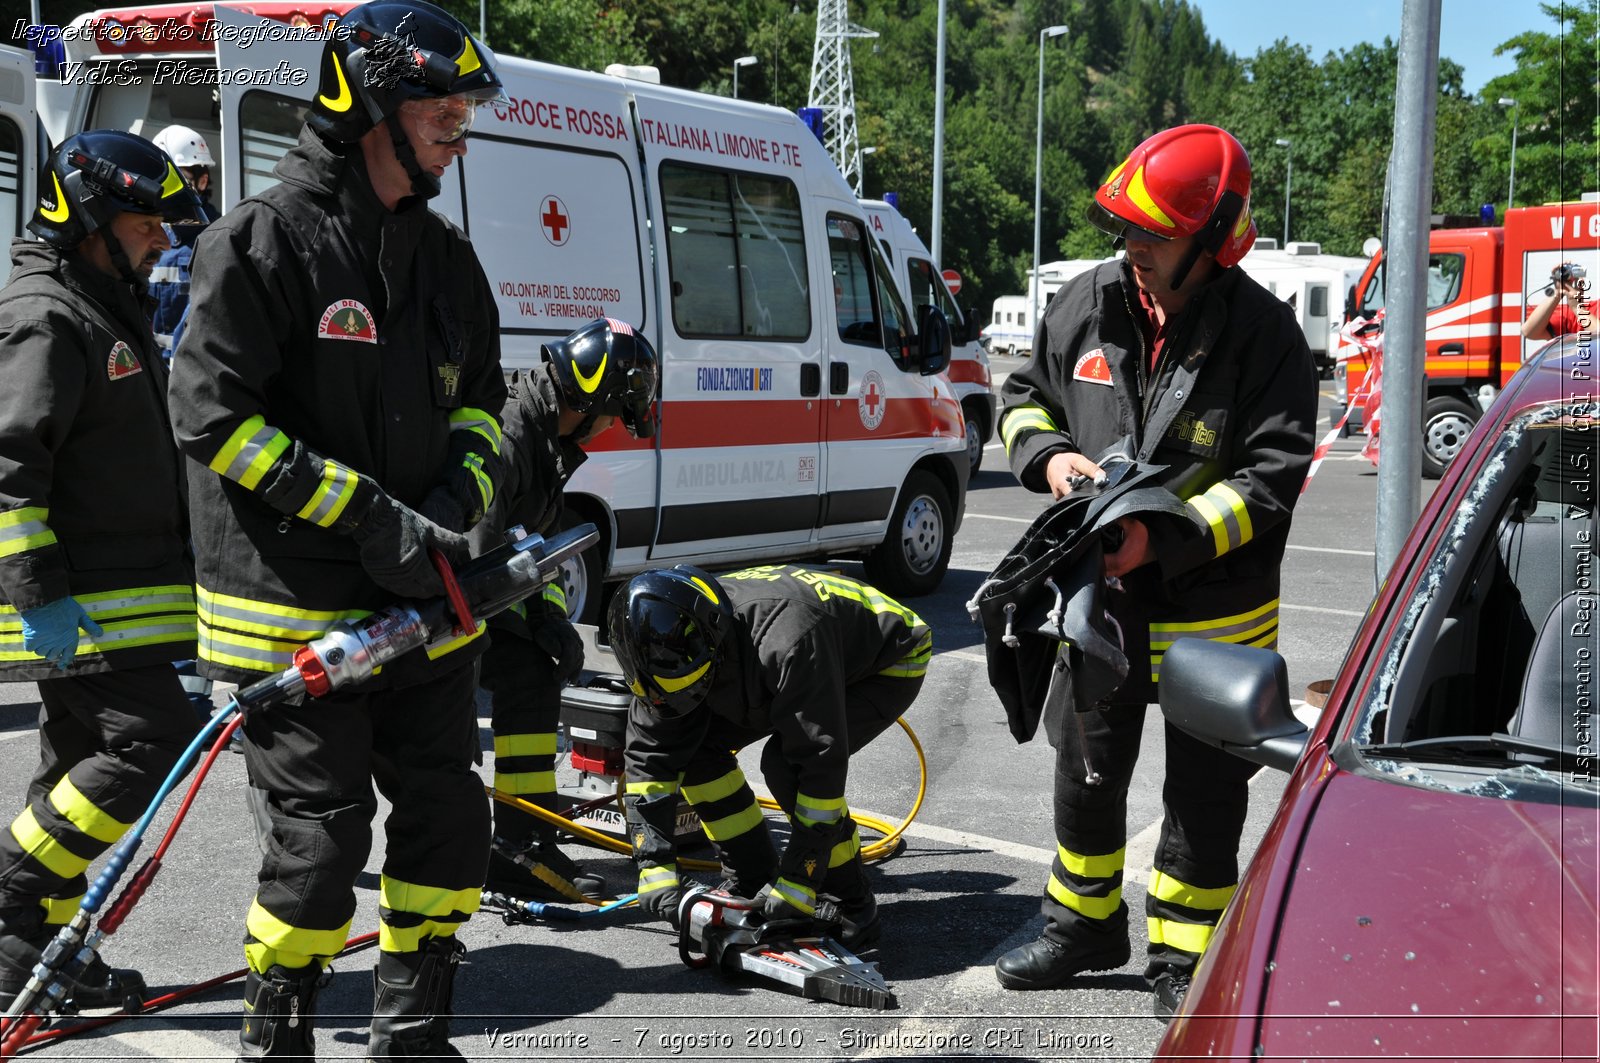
pixel 96 175
pixel 384 53
pixel 606 368
pixel 667 630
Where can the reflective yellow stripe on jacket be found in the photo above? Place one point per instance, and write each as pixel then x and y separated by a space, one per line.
pixel 135 616
pixel 1258 627
pixel 1020 419
pixel 24 529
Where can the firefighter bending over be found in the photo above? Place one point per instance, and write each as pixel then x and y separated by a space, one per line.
pixel 602 373
pixel 817 664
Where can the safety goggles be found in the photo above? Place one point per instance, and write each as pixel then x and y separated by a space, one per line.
pixel 443 121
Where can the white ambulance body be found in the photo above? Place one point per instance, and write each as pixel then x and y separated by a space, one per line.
pixel 19 145
pixel 923 284
pixel 721 229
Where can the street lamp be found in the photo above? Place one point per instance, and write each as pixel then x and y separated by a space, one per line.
pixel 743 60
pixel 1288 186
pixel 1511 193
pixel 1038 174
pixel 864 153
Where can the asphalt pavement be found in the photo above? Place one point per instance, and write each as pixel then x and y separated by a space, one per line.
pixel 963 890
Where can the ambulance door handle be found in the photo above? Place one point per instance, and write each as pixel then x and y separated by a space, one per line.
pixel 838 378
pixel 1454 350
pixel 810 381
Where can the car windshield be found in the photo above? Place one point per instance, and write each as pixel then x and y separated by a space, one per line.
pixel 1494 663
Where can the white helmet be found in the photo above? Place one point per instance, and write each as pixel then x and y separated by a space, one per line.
pixel 186 147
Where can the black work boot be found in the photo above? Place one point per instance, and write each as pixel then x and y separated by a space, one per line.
pixel 101 986
pixel 411 994
pixel 278 1009
pixel 857 909
pixel 749 861
pixel 514 880
pixel 1168 989
pixel 22 936
pixel 1045 963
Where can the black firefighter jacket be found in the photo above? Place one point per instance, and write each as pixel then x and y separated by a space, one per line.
pixel 91 500
pixel 328 339
pixel 799 639
pixel 1230 413
pixel 537 464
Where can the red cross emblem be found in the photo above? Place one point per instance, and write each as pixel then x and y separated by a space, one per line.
pixel 556 221
pixel 871 402
pixel 874 396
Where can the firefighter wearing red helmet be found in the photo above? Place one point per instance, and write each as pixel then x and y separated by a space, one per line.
pixel 1175 355
pixel 337 393
pixel 604 373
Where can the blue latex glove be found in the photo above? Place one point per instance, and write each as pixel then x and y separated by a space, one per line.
pixel 51 630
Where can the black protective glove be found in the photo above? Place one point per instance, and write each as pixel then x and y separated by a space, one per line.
pixel 394 541
pixel 663 903
pixel 555 635
pixel 444 509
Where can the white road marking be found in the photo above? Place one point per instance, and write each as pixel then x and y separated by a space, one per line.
pixel 1320 609
pixel 995 516
pixel 8 735
pixel 157 1040
pixel 1332 550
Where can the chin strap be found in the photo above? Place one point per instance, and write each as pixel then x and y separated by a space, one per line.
pixel 423 185
pixel 119 260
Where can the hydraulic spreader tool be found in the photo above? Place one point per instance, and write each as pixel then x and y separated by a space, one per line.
pixel 717 929
pixel 348 652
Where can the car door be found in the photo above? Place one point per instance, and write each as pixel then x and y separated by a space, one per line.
pixel 19 141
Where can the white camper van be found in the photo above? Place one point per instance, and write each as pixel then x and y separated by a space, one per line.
pixel 923 284
pixel 801 412
pixel 1009 331
pixel 1312 283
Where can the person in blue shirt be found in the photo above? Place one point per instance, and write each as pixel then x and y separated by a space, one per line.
pixel 169 281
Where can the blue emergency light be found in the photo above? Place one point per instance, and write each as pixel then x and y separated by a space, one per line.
pixel 812 117
pixel 49 51
pixel 893 199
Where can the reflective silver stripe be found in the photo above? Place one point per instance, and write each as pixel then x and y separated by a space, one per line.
pixel 278 625
pixel 817 814
pixel 20 530
pixel 221 648
pixel 252 449
pixel 166 274
pixel 331 494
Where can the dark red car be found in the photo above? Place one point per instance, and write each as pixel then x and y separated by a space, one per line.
pixel 1428 886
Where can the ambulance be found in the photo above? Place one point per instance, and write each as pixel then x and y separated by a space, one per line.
pixel 923 284
pixel 802 414
pixel 19 142
pixel 1482 283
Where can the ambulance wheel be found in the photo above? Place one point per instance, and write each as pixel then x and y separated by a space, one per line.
pixel 1446 422
pixel 581 576
pixel 977 435
pixel 915 552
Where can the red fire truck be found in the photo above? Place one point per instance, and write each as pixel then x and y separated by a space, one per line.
pixel 1482 284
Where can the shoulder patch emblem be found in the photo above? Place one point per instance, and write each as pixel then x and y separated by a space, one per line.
pixel 347 319
pixel 1093 368
pixel 122 362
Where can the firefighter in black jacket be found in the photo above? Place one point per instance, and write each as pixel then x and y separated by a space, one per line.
pixel 602 373
pixel 336 392
pixel 96 591
pixel 817 664
pixel 1202 371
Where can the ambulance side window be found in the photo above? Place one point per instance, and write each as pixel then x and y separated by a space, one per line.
pixel 897 326
pixel 927 289
pixel 270 126
pixel 736 254
pixel 11 164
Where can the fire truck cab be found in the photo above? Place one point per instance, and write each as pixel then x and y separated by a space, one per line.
pixel 802 413
pixel 1482 284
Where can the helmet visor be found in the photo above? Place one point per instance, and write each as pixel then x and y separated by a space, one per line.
pixel 667 655
pixel 637 398
pixel 1121 228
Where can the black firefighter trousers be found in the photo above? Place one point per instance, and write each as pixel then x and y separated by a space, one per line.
pixel 1196 865
pixel 317 763
pixel 106 742
pixel 527 709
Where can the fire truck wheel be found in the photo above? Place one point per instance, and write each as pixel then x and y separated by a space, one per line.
pixel 915 551
pixel 1446 421
pixel 581 576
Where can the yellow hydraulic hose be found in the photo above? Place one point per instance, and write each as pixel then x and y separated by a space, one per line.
pixel 881 849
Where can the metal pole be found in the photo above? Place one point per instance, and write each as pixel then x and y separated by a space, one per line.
pixel 1288 196
pixel 1511 192
pixel 736 81
pixel 1410 198
pixel 1038 178
pixel 483 22
pixel 938 146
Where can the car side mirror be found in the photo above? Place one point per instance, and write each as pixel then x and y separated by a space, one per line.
pixel 933 340
pixel 1233 697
